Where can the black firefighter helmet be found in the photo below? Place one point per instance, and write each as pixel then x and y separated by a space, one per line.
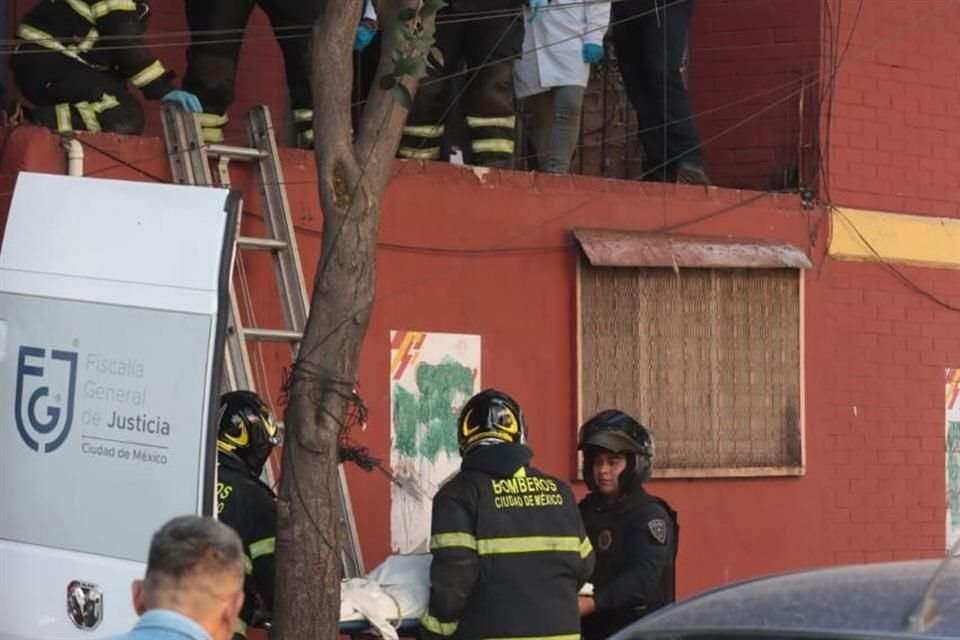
pixel 490 416
pixel 617 432
pixel 247 429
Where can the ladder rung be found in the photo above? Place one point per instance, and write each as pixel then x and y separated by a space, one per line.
pixel 249 242
pixel 272 335
pixel 237 153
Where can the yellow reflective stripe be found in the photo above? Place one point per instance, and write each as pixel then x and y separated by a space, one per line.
pixel 148 74
pixel 87 43
pixel 104 7
pixel 520 473
pixel 528 544
pixel 263 547
pixel 64 120
pixel 447 540
pixel 213 119
pixel 430 153
pixel 107 101
pixel 493 145
pixel 240 628
pixel 215 135
pixel 247 565
pixel 585 548
pixel 307 135
pixel 82 8
pixel 433 625
pixel 89 116
pixel 506 121
pixel 424 131
pixel 302 115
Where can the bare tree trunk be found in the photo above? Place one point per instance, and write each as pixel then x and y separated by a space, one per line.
pixel 352 178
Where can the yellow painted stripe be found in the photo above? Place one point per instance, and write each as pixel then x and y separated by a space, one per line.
pixel 892 237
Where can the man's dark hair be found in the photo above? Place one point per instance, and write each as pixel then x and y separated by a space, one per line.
pixel 192 545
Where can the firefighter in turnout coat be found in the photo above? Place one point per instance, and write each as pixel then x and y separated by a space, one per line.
pixel 75 59
pixel 509 550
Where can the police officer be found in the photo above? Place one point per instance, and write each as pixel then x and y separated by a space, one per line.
pixel 635 534
pixel 509 550
pixel 75 59
pixel 247 435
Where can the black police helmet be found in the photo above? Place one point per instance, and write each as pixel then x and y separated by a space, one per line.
pixel 617 432
pixel 247 429
pixel 490 416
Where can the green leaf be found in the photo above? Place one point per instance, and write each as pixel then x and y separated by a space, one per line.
pixel 406 15
pixel 436 55
pixel 430 7
pixel 405 66
pixel 388 81
pixel 402 95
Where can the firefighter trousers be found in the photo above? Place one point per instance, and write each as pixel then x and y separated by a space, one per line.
pixel 217 27
pixel 70 95
pixel 489 48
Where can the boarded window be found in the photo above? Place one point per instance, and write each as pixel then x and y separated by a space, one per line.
pixel 708 358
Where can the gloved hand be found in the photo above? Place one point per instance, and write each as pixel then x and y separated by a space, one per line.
pixel 535 7
pixel 592 53
pixel 185 99
pixel 365 34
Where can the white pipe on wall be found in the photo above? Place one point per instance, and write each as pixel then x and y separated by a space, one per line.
pixel 74 157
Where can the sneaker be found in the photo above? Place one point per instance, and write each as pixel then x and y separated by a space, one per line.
pixel 688 173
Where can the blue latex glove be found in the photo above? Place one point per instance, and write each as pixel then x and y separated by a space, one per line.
pixel 185 99
pixel 592 53
pixel 535 7
pixel 365 34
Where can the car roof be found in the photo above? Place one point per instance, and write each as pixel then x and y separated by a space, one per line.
pixel 870 598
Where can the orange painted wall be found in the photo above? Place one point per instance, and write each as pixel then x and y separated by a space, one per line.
pixel 491 254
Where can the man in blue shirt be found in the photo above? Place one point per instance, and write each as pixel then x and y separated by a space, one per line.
pixel 193 588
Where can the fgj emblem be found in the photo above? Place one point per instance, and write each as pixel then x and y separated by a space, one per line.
pixel 44 418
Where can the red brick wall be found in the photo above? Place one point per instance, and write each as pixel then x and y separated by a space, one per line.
pixel 895 139
pixel 749 60
pixel 874 486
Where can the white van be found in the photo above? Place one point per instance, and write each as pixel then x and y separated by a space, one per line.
pixel 112 313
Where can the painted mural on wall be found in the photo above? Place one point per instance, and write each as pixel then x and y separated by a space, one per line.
pixel 953 455
pixel 432 375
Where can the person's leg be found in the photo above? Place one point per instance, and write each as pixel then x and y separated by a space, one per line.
pixel 293 27
pixel 71 96
pixel 628 34
pixel 670 126
pixel 565 130
pixel 423 132
pixel 212 63
pixel 489 107
pixel 540 120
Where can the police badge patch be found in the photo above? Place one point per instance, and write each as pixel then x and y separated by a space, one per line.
pixel 658 529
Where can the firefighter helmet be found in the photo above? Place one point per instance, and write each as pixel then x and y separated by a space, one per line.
pixel 247 429
pixel 618 432
pixel 490 416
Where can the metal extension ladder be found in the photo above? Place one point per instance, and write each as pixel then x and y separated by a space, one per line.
pixel 190 160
